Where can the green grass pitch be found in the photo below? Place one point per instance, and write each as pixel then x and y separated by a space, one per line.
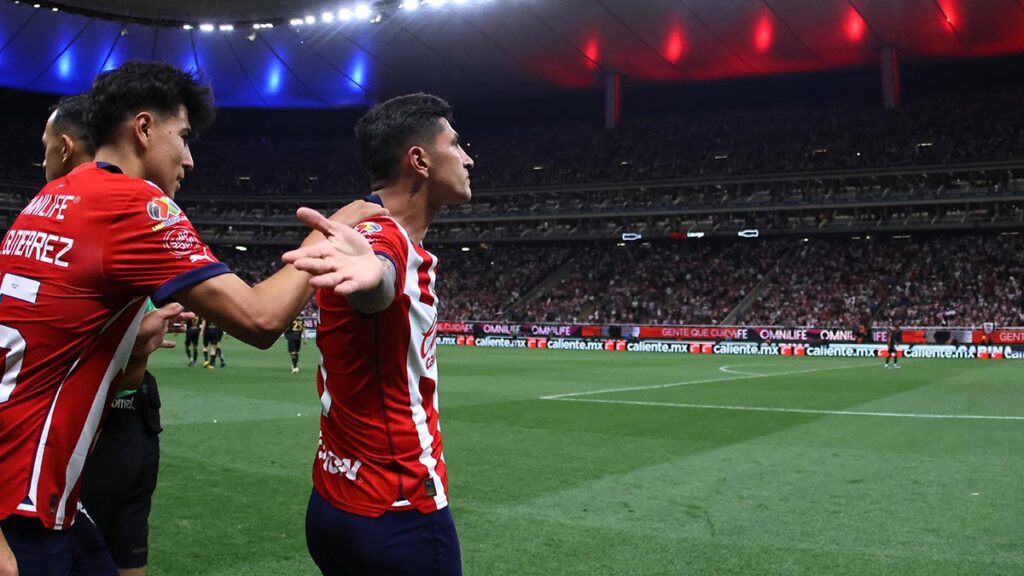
pixel 643 464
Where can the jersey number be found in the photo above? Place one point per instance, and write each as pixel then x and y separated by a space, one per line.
pixel 12 341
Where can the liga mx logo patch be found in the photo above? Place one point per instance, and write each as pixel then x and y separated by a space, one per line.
pixel 368 228
pixel 161 209
pixel 164 211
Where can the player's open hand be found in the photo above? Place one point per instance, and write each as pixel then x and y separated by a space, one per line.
pixel 156 324
pixel 344 262
pixel 355 212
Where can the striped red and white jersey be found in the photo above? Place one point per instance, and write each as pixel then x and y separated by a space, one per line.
pixel 77 266
pixel 380 442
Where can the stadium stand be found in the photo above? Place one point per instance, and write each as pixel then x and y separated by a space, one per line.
pixel 932 193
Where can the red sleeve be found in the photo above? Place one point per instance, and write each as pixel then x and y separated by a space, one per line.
pixel 153 249
pixel 389 241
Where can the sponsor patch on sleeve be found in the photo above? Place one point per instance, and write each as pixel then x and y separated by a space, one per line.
pixel 165 212
pixel 368 228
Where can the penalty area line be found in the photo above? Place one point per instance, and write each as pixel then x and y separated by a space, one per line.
pixel 692 382
pixel 793 410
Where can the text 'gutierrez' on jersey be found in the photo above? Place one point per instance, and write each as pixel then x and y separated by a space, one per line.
pixel 77 266
pixel 380 442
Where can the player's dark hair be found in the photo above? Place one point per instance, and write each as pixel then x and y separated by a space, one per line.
pixel 387 131
pixel 137 86
pixel 71 119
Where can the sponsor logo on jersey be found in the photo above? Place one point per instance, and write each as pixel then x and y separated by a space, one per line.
pixel 181 242
pixel 164 211
pixel 368 228
pixel 200 257
pixel 429 344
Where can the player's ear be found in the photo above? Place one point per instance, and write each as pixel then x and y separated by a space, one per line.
pixel 142 127
pixel 418 161
pixel 67 148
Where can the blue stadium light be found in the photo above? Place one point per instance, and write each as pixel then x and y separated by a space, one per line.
pixel 357 72
pixel 226 27
pixel 345 14
pixel 362 11
pixel 631 236
pixel 206 27
pixel 310 19
pixel 274 79
pixel 187 27
pixel 411 5
pixel 327 17
pixel 296 22
pixel 752 233
pixel 65 65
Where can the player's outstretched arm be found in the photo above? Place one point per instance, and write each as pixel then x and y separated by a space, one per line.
pixel 8 564
pixel 346 264
pixel 258 314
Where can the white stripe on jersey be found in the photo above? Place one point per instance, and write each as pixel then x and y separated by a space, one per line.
pixel 415 366
pixel 85 441
pixel 325 398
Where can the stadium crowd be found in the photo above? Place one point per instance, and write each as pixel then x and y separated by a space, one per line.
pixel 934 280
pixel 244 191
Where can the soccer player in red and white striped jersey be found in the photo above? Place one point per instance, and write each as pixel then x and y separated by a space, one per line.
pixel 380 498
pixel 77 266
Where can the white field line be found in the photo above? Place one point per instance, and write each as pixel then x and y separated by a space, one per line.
pixel 732 370
pixel 793 410
pixel 692 382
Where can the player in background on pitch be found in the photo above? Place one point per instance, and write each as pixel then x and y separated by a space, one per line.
pixel 294 337
pixel 891 340
pixel 380 485
pixel 78 264
pixel 212 335
pixel 193 330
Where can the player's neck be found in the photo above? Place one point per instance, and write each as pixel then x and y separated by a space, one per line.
pixel 410 210
pixel 125 159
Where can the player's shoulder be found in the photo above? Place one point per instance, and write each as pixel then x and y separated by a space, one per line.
pixel 381 227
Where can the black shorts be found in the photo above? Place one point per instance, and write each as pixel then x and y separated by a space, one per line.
pixel 892 349
pixel 212 336
pixel 118 483
pixel 294 341
pixel 192 337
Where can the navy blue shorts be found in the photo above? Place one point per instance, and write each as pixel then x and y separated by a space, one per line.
pixel 394 544
pixel 76 551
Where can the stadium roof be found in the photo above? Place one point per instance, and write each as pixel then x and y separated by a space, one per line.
pixel 473 49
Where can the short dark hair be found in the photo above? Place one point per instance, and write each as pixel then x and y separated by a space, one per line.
pixel 388 129
pixel 136 86
pixel 71 118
